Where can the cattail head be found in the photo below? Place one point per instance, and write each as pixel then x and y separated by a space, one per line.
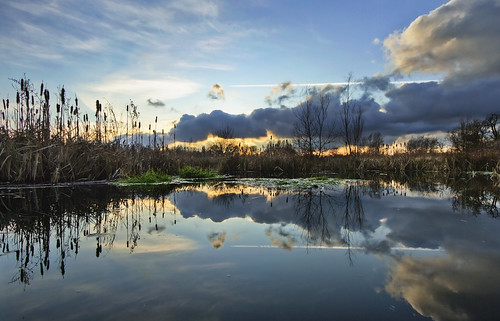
pixel 41 89
pixel 63 96
pixel 22 84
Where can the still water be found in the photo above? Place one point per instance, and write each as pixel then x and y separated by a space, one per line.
pixel 250 250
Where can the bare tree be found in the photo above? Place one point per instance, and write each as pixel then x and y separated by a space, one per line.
pixel 313 133
pixel 351 120
pixel 304 128
pixel 373 141
pixel 325 130
pixel 492 122
pixel 225 145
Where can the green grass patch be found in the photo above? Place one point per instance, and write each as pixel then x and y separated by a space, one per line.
pixel 148 177
pixel 193 172
pixel 319 178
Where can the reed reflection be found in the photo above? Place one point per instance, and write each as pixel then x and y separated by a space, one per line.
pixel 45 226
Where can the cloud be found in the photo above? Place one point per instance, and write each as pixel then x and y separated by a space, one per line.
pixel 216 92
pixel 198 128
pixel 204 8
pixel 432 106
pixel 280 93
pixel 458 38
pixel 407 108
pixel 166 88
pixel 155 103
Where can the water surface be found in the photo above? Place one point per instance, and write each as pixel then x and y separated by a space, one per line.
pixel 240 251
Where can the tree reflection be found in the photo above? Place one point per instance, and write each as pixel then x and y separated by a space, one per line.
pixel 477 196
pixel 330 217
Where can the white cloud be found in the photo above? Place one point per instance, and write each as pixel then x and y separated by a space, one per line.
pixel 205 8
pixel 458 38
pixel 166 88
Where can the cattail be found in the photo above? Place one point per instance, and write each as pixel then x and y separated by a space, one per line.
pixel 63 96
pixel 58 107
pixel 18 98
pixel 22 84
pixel 41 89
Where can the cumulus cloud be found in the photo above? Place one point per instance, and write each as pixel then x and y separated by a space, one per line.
pixel 458 38
pixel 216 92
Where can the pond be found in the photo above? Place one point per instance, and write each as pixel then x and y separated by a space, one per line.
pixel 250 250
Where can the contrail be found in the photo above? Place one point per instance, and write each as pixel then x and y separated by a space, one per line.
pixel 321 84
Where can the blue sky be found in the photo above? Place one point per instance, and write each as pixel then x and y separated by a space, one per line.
pixel 167 55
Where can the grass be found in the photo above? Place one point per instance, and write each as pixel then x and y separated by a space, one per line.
pixel 193 172
pixel 148 177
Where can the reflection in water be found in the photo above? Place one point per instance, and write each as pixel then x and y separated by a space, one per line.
pixel 217 239
pixel 443 263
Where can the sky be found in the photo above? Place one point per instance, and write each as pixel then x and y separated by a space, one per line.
pixel 420 67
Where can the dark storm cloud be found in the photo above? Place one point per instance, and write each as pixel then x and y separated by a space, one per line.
pixel 197 128
pixel 155 103
pixel 418 108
